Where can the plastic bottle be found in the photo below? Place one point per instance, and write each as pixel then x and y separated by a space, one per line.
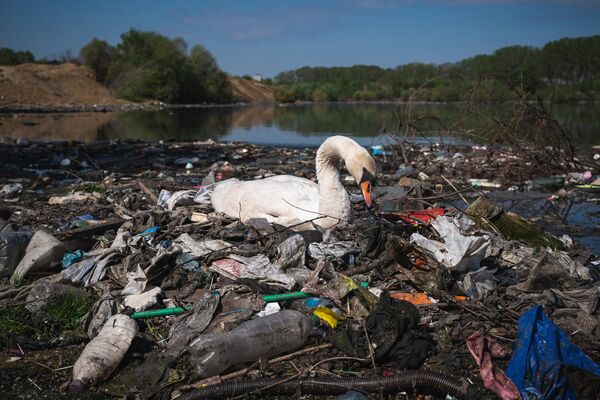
pixel 258 338
pixel 104 353
pixel 12 249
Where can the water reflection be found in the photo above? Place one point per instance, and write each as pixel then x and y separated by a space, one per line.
pixel 287 125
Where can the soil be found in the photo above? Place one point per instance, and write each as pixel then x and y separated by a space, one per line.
pixel 51 85
pixel 34 367
pixel 70 86
pixel 246 91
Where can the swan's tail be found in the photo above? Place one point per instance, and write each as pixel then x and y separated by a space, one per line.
pixel 199 197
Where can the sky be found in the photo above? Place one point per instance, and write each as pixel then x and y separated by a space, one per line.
pixel 268 37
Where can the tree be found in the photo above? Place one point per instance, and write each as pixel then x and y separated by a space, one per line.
pixel 10 57
pixel 148 65
pixel 209 83
pixel 97 55
pixel 66 56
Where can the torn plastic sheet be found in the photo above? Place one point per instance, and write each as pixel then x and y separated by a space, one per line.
pixel 162 261
pixel 457 252
pixel 334 249
pixel 479 284
pixel 547 272
pixel 92 268
pixel 143 301
pixel 575 268
pixel 257 267
pixel 200 249
pixel 541 353
pixel 169 201
pixel 190 326
pixel 136 282
pixel 187 262
pixel 291 253
pixel 101 311
pixel 484 349
pixel 204 194
pixel 201 196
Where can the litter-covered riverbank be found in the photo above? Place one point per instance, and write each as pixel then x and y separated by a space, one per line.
pixel 98 238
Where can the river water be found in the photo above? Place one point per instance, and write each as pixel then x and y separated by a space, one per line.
pixel 308 126
pixel 304 125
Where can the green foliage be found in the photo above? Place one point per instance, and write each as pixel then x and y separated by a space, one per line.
pixel 97 55
pixel 11 57
pixel 206 81
pixel 68 310
pixel 63 313
pixel 284 94
pixel 150 66
pixel 565 70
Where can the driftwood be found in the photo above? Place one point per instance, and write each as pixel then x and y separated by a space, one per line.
pixel 510 225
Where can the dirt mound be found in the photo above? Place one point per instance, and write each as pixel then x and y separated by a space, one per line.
pixel 70 85
pixel 51 85
pixel 247 91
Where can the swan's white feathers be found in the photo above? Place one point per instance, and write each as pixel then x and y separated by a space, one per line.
pixel 287 199
pixel 270 198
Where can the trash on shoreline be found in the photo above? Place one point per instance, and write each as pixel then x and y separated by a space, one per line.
pixel 179 300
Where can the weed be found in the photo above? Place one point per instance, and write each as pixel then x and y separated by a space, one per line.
pixel 88 188
pixel 68 310
pixel 10 323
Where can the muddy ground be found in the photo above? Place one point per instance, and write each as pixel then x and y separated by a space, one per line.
pixel 38 350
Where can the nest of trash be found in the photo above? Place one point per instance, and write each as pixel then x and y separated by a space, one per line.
pixel 119 280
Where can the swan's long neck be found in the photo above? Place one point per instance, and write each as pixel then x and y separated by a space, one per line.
pixel 333 197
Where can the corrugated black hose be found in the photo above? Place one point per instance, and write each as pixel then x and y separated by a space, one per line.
pixel 424 382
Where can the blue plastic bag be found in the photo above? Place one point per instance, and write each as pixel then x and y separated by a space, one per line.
pixel 541 352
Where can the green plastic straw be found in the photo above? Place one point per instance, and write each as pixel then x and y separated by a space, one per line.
pixel 272 298
pixel 160 313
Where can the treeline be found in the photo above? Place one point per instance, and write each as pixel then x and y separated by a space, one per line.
pixel 565 70
pixel 11 57
pixel 148 65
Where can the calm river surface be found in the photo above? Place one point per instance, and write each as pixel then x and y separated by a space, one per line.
pixel 305 125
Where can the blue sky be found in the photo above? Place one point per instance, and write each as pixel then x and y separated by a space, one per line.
pixel 248 36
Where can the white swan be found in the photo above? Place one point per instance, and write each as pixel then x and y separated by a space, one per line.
pixel 289 200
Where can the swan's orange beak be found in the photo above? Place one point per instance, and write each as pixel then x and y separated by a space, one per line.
pixel 365 187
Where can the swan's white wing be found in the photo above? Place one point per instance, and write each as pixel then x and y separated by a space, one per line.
pixel 283 198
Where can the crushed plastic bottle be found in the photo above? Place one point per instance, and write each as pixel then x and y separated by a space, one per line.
pixel 12 250
pixel 104 353
pixel 258 338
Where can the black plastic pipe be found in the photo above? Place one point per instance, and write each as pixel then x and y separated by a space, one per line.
pixel 425 382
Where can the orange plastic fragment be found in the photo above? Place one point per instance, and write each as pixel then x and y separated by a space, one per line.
pixel 423 216
pixel 418 298
pixel 414 298
pixel 419 262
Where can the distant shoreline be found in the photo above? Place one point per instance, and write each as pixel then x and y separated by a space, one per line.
pixel 34 109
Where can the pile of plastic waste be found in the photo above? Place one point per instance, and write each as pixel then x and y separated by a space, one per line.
pixel 118 279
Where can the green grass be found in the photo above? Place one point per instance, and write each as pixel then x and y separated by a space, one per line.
pixel 9 322
pixel 88 188
pixel 64 313
pixel 68 310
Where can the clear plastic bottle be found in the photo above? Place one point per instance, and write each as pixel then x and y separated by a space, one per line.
pixel 104 353
pixel 258 338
